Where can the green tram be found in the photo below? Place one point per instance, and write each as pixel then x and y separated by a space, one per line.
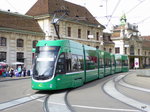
pixel 121 63
pixel 61 64
pixel 113 64
pixel 118 61
pixel 125 65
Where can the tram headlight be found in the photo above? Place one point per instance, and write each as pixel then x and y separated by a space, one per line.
pixel 40 85
pixel 51 85
pixel 58 79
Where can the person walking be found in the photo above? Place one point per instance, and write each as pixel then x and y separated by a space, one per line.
pixel 24 71
pixel 11 72
pixel 19 71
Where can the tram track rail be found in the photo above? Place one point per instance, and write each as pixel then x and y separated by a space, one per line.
pixel 51 101
pixel 111 89
pixel 57 102
pixel 45 104
pixel 19 101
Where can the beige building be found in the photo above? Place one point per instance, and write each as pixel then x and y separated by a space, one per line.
pixel 77 23
pixel 107 43
pixel 146 51
pixel 18 35
pixel 128 41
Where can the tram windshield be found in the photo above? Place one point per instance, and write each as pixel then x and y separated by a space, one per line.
pixel 44 63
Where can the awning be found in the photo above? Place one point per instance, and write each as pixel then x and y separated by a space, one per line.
pixel 17 63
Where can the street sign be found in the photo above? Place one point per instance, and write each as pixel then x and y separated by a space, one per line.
pixel 136 62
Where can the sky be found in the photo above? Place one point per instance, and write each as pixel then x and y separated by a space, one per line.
pixel 107 12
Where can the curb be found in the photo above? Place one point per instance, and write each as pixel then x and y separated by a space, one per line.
pixel 13 78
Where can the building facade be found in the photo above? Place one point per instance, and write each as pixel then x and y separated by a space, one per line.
pixel 107 43
pixel 73 21
pixel 129 42
pixel 146 51
pixel 18 35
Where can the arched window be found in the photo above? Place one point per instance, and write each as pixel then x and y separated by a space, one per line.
pixel 132 50
pixel 3 41
pixel 34 43
pixel 20 43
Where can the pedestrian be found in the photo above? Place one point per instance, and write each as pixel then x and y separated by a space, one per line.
pixel 7 71
pixel 28 72
pixel 11 72
pixel 19 71
pixel 24 71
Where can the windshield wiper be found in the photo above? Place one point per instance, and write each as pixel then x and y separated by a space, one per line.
pixel 41 77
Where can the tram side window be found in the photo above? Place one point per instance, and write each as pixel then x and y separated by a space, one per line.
pixel 68 65
pixel 80 63
pixel 113 62
pixel 118 62
pixel 68 62
pixel 74 63
pixel 125 62
pixel 107 62
pixel 60 68
pixel 101 63
pixel 91 62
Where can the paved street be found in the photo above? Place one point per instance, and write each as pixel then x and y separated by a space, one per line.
pixel 95 96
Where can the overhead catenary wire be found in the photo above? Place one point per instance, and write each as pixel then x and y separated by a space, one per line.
pixel 143 20
pixel 113 11
pixel 134 7
pixel 11 5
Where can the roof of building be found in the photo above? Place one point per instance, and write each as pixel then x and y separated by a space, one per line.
pixel 48 7
pixel 146 37
pixel 20 23
pixel 146 42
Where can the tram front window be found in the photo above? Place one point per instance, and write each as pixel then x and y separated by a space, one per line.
pixel 45 62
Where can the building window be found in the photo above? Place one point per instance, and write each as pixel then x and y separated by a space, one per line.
pixel 69 31
pixel 117 50
pixel 97 35
pixel 125 50
pixel 104 49
pixel 145 53
pixel 3 41
pixel 3 56
pixel 97 47
pixel 110 50
pixel 19 42
pixel 88 33
pixel 20 56
pixel 138 51
pixel 79 33
pixel 131 50
pixel 34 43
